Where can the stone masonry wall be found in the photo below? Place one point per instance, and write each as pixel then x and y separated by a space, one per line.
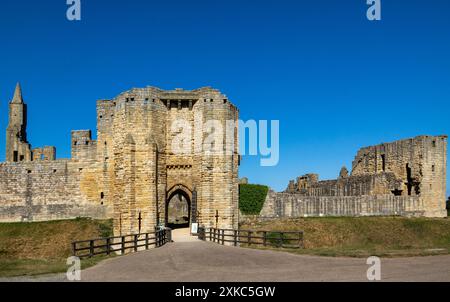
pixel 297 205
pixel 414 167
pixel 47 190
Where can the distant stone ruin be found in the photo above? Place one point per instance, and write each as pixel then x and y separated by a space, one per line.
pixel 406 177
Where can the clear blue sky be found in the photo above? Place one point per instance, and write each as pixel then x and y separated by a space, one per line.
pixel 335 81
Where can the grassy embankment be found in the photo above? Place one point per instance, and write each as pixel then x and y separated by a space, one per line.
pixel 366 236
pixel 353 236
pixel 43 247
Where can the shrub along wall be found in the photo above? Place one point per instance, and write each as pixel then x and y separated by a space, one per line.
pixel 251 198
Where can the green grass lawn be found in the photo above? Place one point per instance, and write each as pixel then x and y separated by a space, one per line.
pixel 43 247
pixel 366 236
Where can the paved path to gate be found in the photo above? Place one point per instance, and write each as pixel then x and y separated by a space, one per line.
pixel 206 261
pixel 189 259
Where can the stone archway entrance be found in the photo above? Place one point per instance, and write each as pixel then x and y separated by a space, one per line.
pixel 178 207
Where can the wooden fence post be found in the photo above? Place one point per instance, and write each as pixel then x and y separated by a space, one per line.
pixel 235 238
pixel 74 248
pixel 108 246
pixel 249 234
pixel 169 235
pixel 146 241
pixel 223 237
pixel 123 245
pixel 264 238
pixel 280 244
pixel 300 239
pixel 135 243
pixel 91 248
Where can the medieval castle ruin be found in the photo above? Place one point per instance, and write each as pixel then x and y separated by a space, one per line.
pixel 406 177
pixel 130 173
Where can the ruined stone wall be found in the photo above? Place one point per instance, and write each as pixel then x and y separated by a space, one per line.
pixel 83 146
pixel 297 205
pixel 368 184
pixel 44 153
pixel 410 167
pixel 48 190
pixel 420 163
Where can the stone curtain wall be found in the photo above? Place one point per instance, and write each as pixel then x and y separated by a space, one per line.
pixel 48 190
pixel 414 167
pixel 296 205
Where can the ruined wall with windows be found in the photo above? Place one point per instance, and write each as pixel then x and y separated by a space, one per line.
pixel 133 167
pixel 407 174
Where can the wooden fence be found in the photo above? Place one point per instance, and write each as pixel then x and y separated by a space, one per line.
pixel 108 245
pixel 249 238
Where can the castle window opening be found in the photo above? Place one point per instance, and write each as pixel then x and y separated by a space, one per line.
pixel 102 195
pixel 74 143
pixel 101 116
pixel 15 156
pixel 433 168
pixel 434 143
pixel 409 182
pixel 87 143
pixel 22 158
pixel 383 159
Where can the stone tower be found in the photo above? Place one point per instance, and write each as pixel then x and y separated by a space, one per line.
pixel 17 147
pixel 141 169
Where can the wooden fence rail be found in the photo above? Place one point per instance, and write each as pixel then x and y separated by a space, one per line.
pixel 288 239
pixel 108 245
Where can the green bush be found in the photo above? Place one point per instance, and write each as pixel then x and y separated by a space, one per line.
pixel 251 198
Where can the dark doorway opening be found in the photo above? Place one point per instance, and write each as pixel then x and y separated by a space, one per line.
pixel 409 181
pixel 178 210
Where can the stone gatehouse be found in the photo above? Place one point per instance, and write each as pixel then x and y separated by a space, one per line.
pixel 130 172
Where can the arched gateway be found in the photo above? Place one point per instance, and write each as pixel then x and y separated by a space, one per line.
pixel 180 208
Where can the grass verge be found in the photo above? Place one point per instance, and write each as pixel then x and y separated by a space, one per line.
pixel 43 247
pixel 365 236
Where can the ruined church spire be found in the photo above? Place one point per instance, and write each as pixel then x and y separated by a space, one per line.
pixel 17 99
